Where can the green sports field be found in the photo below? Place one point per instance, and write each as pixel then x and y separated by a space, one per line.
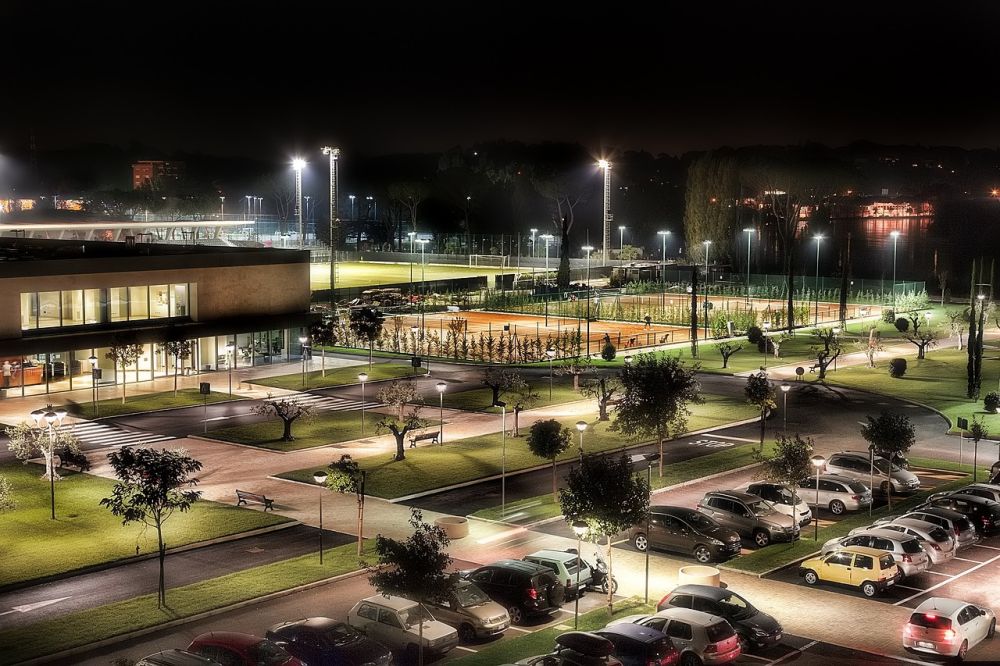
pixel 365 273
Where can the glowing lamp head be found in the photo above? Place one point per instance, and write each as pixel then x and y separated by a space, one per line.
pixel 319 477
pixel 818 462
pixel 363 377
pixel 785 388
pixel 894 234
pixel 298 164
pixel 440 386
pixel 579 528
pixel 604 164
pixel 581 425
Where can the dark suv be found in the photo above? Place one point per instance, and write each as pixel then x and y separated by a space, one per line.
pixel 756 628
pixel 984 514
pixel 750 516
pixel 684 530
pixel 525 589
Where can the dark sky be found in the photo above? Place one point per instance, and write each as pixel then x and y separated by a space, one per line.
pixel 266 80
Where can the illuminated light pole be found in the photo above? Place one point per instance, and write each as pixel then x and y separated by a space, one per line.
pixel 411 235
pixel 95 375
pixel 588 249
pixel 423 244
pixel 785 388
pixel 303 340
pixel 663 261
pixel 819 239
pixel 533 232
pixel 222 208
pixel 230 356
pixel 621 243
pixel 363 377
pixel 551 353
pixel 334 155
pixel 248 197
pixel 708 248
pixel 503 458
pixel 352 198
pixel 582 427
pixel 546 238
pixel 298 164
pixel 50 417
pixel 320 479
pixel 441 386
pixel 749 237
pixel 818 462
pixel 895 237
pixel 579 528
pixel 606 236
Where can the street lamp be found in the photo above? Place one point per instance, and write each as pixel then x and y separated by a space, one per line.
pixel 785 388
pixel 320 478
pixel 533 232
pixel 363 377
pixel 818 238
pixel 423 244
pixel 588 249
pixel 749 238
pixel 298 164
pixel 767 327
pixel 546 238
pixel 302 341
pixel 95 375
pixel 551 353
pixel 50 417
pixel 708 247
pixel 352 198
pixel 621 243
pixel 895 237
pixel 579 528
pixel 818 462
pixel 230 351
pixel 503 458
pixel 441 386
pixel 649 459
pixel 581 426
pixel 663 260
pixel 222 208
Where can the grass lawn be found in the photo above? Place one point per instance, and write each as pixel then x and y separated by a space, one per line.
pixel 84 627
pixel 85 533
pixel 325 428
pixel 428 467
pixel 541 507
pixel 370 273
pixel 338 376
pixel 540 642
pixel 146 402
pixel 478 400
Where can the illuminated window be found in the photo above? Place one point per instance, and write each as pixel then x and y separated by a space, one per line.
pixel 29 311
pixel 179 300
pixel 92 306
pixel 48 309
pixel 72 307
pixel 159 303
pixel 118 303
pixel 138 303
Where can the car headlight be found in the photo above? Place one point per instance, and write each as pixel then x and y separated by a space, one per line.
pixel 757 631
pixel 715 542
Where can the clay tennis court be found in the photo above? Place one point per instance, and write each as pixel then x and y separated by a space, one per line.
pixel 828 312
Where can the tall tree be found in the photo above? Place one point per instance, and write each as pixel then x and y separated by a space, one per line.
pixel 604 389
pixel 759 392
pixel 977 431
pixel 26 442
pixel 287 410
pixel 519 396
pixel 123 352
pixel 889 435
pixel 790 463
pixel 346 476
pixel 498 379
pixel 656 392
pixel 827 351
pixel 397 396
pixel 323 334
pixel 711 191
pixel 366 324
pixel 564 191
pixel 409 195
pixel 152 486
pixel 549 439
pixel 175 345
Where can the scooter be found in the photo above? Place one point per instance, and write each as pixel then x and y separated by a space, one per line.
pixel 599 576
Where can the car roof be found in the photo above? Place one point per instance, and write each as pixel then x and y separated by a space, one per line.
pixel 854 454
pixel 914 523
pixel 558 555
pixel 636 632
pixel 834 477
pixel 395 603
pixel 973 499
pixel 690 615
pixel 942 605
pixel 233 638
pixel 938 511
pixel 709 591
pixel 888 534
pixel 735 494
pixel 177 658
pixel 677 511
pixel 861 550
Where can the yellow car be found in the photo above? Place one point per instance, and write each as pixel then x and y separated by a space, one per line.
pixel 868 569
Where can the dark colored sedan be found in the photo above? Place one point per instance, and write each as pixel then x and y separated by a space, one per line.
pixel 320 640
pixel 755 628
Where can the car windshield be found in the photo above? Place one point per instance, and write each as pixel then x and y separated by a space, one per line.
pixel 700 521
pixel 736 607
pixel 470 595
pixel 881 464
pixel 269 654
pixel 761 508
pixel 784 495
pixel 858 487
pixel 338 634
pixel 413 615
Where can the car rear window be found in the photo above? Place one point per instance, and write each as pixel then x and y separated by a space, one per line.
pixel 911 546
pixel 857 487
pixel 719 631
pixel 886 562
pixel 938 534
pixel 930 621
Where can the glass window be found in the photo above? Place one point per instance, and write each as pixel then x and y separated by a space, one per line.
pixel 864 562
pixel 368 612
pixel 389 618
pixel 680 601
pixel 29 311
pixel 118 303
pixel 72 307
pixel 719 631
pixel 159 303
pixel 179 300
pixel 138 303
pixel 92 306
pixel 681 630
pixel 48 309
pixel 843 559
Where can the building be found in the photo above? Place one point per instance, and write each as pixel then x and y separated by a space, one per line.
pixel 68 301
pixel 153 174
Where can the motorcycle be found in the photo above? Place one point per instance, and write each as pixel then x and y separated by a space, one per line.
pixel 599 576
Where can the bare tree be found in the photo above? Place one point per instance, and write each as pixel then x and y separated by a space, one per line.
pixel 409 195
pixel 286 410
pixel 827 351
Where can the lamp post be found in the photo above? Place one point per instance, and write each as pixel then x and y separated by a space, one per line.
pixel 818 462
pixel 551 353
pixel 621 243
pixel 546 238
pixel 785 388
pixel 749 238
pixel 302 341
pixel 320 478
pixel 298 164
pixel 441 386
pixel 423 244
pixel 363 377
pixel 895 237
pixel 588 249
pixel 579 528
pixel 818 239
pixel 628 361
pixel 533 232
pixel 95 375
pixel 606 216
pixel 352 198
pixel 334 154
pixel 663 259
pixel 230 352
pixel 503 458
pixel 50 417
pixel 581 426
pixel 708 247
pixel 222 208
pixel 411 235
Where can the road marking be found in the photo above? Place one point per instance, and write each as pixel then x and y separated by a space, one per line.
pixel 467 649
pixel 216 418
pixel 945 582
pixel 795 652
pixel 938 573
pixel 756 656
pixel 524 631
pixel 962 559
pixel 27 608
pixel 739 439
pixel 907 587
pixel 981 546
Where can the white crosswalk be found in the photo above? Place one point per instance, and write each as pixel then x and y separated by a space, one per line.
pixel 325 403
pixel 101 434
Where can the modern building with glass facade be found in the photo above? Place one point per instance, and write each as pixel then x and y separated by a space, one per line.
pixel 63 303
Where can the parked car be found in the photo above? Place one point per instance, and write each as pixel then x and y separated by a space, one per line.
pixel 984 514
pixel 175 658
pixel 684 530
pixel 750 516
pixel 994 474
pixel 938 544
pixel 636 645
pixel 471 611
pixel 756 629
pixel 989 491
pixel 910 556
pixel 781 497
pixel 525 589
pixel 236 649
pixel 396 623
pixel 858 466
pixel 320 640
pixel 577 648
pixel 953 522
pixel 837 493
pixel 947 627
pixel 699 637
pixel 566 565
pixel 870 570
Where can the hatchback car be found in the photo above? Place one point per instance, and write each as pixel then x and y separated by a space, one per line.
pixel 988 491
pixel 396 623
pixel 857 465
pixel 699 637
pixel 320 640
pixel 869 570
pixel 525 589
pixel 984 514
pixel 175 658
pixel 750 516
pixel 235 649
pixel 938 544
pixel 906 550
pixel 471 611
pixel 837 493
pixel 756 629
pixel 636 645
pixel 947 627
pixel 953 522
pixel 683 530
pixel 568 566
pixel 781 497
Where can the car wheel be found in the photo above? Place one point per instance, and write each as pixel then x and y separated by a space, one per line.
pixel 868 589
pixel 963 651
pixel 993 629
pixel 690 659
pixel 761 538
pixel 703 554
pixel 516 615
pixel 466 633
pixel 837 507
pixel 640 542
pixel 810 577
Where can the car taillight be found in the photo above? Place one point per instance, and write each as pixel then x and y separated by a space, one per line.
pixel 949 635
pixel 856 497
pixel 532 593
pixel 908 631
pixel 955 530
pixel 711 648
pixel 663 601
pixel 907 558
pixel 934 546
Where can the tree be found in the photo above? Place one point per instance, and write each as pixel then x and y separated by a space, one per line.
pixel 286 410
pixel 124 352
pixel 604 492
pixel 7 500
pixel 927 337
pixel 629 253
pixel 956 325
pixel 151 487
pixel 518 395
pixel 790 463
pixel 828 349
pixel 409 195
pixel 323 334
pixel 565 191
pixel 26 442
pixel 872 346
pixel 656 391
pixel 727 349
pixel 574 366
pixel 177 347
pixel 414 569
pixel 366 323
pixel 889 435
pixel 396 396
pixel 759 392
pixel 977 431
pixel 346 476
pixel 498 380
pixel 549 439
pixel 604 389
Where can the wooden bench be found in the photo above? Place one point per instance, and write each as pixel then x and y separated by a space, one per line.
pixel 433 436
pixel 243 497
pixel 814 367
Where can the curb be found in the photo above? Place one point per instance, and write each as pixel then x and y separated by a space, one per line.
pixel 191 618
pixel 211 440
pixel 769 571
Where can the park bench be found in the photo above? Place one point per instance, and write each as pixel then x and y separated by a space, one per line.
pixel 243 497
pixel 814 367
pixel 433 436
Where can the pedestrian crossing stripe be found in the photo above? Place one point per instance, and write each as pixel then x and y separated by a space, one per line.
pixel 101 434
pixel 326 403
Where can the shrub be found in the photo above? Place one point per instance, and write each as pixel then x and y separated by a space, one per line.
pixel 902 324
pixel 755 335
pixel 609 352
pixel 888 316
pixel 897 367
pixel 991 401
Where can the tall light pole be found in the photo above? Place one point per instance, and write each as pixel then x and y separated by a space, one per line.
pixel 352 198
pixel 423 244
pixel 334 154
pixel 582 427
pixel 303 340
pixel 895 237
pixel 320 479
pixel 222 208
pixel 818 462
pixel 579 528
pixel 363 377
pixel 819 239
pixel 503 458
pixel 588 249
pixel 298 164
pixel 551 353
pixel 248 197
pixel 411 235
pixel 663 259
pixel 708 248
pixel 230 357
pixel 441 386
pixel 606 236
pixel 621 243
pixel 546 238
pixel 50 417
pixel 785 388
pixel 749 238
pixel 533 232
pixel 95 376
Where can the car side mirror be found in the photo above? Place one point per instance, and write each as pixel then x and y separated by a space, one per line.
pixel 982 612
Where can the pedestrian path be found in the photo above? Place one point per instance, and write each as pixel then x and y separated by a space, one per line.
pixel 326 403
pixel 102 434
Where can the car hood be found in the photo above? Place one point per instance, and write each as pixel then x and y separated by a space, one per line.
pixel 484 612
pixel 762 621
pixel 723 534
pixel 779 519
pixel 432 629
pixel 904 475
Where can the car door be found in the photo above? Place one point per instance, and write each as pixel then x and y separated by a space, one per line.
pixel 722 510
pixel 307 646
pixel 447 611
pixel 837 568
pixel 367 618
pixel 974 625
pixel 829 491
pixel 484 579
pixel 675 535
pixel 658 537
pixel 863 569
pixel 681 634
pixel 390 628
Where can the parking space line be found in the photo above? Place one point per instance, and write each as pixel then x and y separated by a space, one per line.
pixel 938 573
pixel 467 649
pixel 953 578
pixel 979 545
pixel 962 559
pixel 524 631
pixel 907 587
pixel 756 656
pixel 797 651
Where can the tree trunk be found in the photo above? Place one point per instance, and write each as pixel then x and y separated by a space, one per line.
pixel 694 312
pixel 562 277
pixel 286 435
pixel 361 524
pixel 161 599
pixel 420 644
pixel 555 492
pixel 970 368
pixel 763 425
pixel 176 363
pixel 602 408
pixel 576 381
pixel 124 381
pixel 496 395
pixel 888 489
pixel 517 412
pixel 400 441
pixel 611 593
pixel 371 349
pixel 790 271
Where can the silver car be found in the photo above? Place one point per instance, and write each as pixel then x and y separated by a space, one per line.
pixel 835 492
pixel 939 545
pixel 857 465
pixel 781 498
pixel 906 550
pixel 953 522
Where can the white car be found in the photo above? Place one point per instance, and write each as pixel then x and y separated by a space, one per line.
pixel 947 627
pixel 939 545
pixel 395 622
pixel 701 638
pixel 781 497
pixel 906 550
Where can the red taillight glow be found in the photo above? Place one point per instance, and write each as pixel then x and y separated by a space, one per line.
pixel 930 616
pixel 856 498
pixel 532 593
pixel 907 558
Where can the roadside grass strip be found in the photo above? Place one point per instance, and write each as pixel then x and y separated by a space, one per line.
pixel 321 429
pixel 480 399
pixel 338 376
pixel 86 534
pixel 104 622
pixel 144 402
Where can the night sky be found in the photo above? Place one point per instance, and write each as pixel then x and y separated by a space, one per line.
pixel 268 80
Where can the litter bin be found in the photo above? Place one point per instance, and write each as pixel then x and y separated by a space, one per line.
pixel 698 575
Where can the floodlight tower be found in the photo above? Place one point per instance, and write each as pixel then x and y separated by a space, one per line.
pixel 298 164
pixel 334 154
pixel 606 245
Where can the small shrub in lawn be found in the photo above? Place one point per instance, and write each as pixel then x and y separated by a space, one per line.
pixel 902 324
pixel 991 401
pixel 755 335
pixel 888 316
pixel 897 367
pixel 609 352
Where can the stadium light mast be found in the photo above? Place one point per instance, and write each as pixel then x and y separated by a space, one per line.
pixel 298 164
pixel 606 249
pixel 334 154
